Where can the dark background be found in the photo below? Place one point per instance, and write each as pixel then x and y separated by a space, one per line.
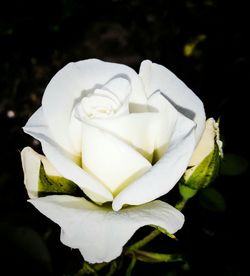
pixel 203 42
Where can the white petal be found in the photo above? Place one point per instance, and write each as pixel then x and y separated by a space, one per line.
pixel 37 126
pixel 75 132
pixel 206 144
pixel 31 162
pixel 37 119
pixel 111 160
pixel 103 102
pixel 31 167
pixel 120 87
pixel 157 77
pixel 67 86
pixel 99 232
pixel 166 172
pixel 165 125
pixel 66 165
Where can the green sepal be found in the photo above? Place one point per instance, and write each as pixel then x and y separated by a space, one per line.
pixel 51 185
pixel 205 172
pixel 162 230
pixel 152 257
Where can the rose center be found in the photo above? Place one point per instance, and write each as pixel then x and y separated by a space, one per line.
pixel 100 104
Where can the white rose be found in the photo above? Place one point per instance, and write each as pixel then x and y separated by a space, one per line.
pixel 122 138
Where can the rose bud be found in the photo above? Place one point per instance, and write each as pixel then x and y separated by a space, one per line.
pixel 205 162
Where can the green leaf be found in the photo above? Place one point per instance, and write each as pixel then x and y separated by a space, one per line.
pixel 152 257
pixel 49 185
pixel 212 200
pixel 233 164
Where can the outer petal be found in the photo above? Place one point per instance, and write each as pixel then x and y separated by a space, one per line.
pixel 166 172
pixel 31 165
pixel 31 162
pixel 63 162
pixel 99 232
pixel 157 77
pixel 67 86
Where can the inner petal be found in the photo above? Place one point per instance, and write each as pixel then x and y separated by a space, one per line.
pixel 120 88
pixel 110 160
pixel 98 105
pixel 108 101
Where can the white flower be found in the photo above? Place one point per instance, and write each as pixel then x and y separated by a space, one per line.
pixel 122 138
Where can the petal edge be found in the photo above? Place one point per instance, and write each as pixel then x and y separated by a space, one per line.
pixel 99 232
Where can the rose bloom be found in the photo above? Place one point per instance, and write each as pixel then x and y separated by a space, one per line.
pixel 124 139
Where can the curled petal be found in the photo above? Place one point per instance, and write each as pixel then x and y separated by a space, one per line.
pixel 99 232
pixel 120 88
pixel 157 77
pixel 31 162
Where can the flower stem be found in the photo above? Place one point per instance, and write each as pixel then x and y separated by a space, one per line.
pixel 86 269
pixel 131 266
pixel 91 269
pixel 181 204
pixel 113 268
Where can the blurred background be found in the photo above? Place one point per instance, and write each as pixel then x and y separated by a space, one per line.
pixel 203 42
